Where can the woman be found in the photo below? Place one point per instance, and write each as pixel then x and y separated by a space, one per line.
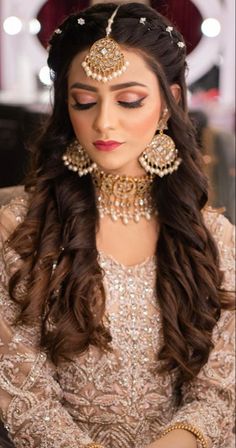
pixel 116 323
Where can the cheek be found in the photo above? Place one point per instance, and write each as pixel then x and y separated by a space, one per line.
pixel 77 122
pixel 144 123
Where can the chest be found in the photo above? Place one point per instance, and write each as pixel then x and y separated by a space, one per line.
pixel 129 244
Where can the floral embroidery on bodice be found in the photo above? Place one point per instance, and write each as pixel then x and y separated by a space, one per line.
pixel 123 386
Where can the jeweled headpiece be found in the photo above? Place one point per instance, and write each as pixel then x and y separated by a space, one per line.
pixel 105 59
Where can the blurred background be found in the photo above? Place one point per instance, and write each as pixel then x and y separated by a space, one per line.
pixel 208 27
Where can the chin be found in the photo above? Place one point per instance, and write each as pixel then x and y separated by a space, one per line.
pixel 111 165
pixel 126 170
pixel 115 163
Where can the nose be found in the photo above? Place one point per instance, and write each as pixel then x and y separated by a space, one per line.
pixel 105 117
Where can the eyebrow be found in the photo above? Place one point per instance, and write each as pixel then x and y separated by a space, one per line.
pixel 78 85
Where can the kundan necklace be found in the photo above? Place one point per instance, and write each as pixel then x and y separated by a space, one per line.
pixel 124 197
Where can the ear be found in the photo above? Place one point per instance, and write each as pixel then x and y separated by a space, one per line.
pixel 176 92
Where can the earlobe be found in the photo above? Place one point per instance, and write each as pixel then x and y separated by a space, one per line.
pixel 176 92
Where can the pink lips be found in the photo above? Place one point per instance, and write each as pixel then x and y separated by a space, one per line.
pixel 108 145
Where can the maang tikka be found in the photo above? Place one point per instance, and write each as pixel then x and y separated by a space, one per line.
pixel 105 59
pixel 161 156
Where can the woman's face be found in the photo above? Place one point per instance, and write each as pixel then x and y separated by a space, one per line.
pixel 125 110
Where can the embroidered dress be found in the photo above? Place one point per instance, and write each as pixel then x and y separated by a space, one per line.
pixel 116 399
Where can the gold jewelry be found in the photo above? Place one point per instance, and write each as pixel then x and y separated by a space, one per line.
pixel 161 156
pixel 105 59
pixel 187 427
pixel 76 159
pixel 124 197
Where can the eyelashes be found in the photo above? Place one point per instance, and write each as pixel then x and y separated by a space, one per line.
pixel 82 106
pixel 125 104
pixel 131 105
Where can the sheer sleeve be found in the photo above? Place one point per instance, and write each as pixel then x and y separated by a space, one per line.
pixel 208 401
pixel 30 396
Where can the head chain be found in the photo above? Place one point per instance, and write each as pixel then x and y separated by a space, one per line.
pixel 170 30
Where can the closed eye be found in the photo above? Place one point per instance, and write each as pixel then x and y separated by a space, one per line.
pixel 132 104
pixel 126 104
pixel 82 106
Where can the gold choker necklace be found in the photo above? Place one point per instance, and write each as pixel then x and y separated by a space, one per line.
pixel 124 197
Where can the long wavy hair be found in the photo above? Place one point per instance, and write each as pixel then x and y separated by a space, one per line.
pixel 57 240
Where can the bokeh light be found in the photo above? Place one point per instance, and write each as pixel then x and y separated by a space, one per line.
pixel 12 25
pixel 211 27
pixel 44 76
pixel 34 26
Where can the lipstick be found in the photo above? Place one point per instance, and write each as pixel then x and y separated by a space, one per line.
pixel 108 145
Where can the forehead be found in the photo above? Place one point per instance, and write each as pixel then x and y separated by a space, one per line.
pixel 137 71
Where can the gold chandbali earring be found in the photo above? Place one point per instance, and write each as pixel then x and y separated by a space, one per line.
pixel 161 156
pixel 123 197
pixel 105 59
pixel 76 159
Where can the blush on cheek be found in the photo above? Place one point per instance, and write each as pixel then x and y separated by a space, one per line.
pixel 147 124
pixel 78 125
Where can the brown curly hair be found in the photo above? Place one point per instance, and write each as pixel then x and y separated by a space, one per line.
pixel 60 226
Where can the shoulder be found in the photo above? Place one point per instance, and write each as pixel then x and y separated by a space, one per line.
pixel 222 230
pixel 11 215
